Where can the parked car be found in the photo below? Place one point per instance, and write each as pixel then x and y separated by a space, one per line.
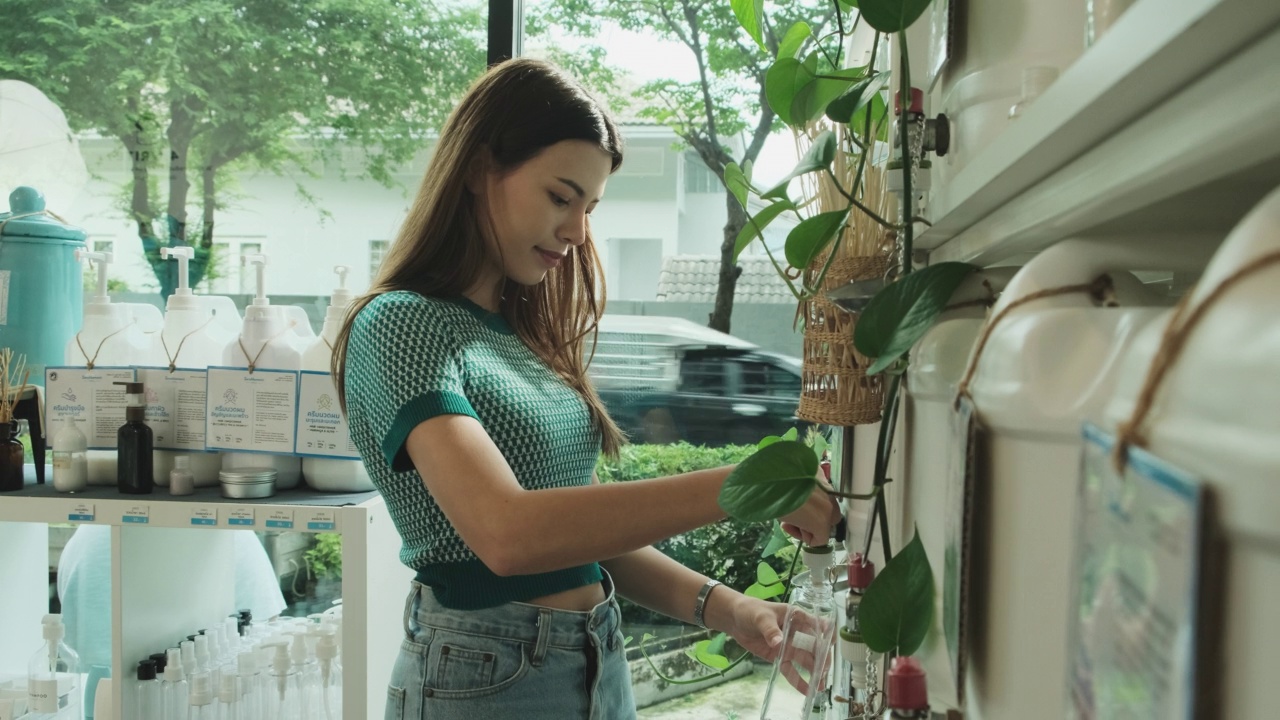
pixel 668 379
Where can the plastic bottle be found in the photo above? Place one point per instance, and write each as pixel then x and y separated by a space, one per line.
pixel 196 330
pixel 229 698
pixel 266 343
pixel 907 693
pixel 176 697
pixel 200 701
pixel 285 699
pixel 807 637
pixel 111 335
pixel 330 674
pixel 149 692
pixel 309 676
pixel 181 480
pixel 134 443
pixel 253 685
pixel 332 474
pixel 70 458
pixel 53 676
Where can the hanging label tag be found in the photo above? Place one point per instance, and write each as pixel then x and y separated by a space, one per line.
pixel 81 512
pixel 138 514
pixel 1134 629
pixel 322 429
pixel 90 397
pixel 175 407
pixel 251 412
pixel 240 517
pixel 321 520
pixel 280 519
pixel 955 588
pixel 204 515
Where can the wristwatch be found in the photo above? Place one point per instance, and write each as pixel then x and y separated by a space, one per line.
pixel 700 605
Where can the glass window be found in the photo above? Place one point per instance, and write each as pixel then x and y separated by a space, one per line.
pixel 377 251
pixel 703 377
pixel 768 380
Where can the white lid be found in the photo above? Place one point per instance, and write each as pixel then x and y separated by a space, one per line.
pixel 182 462
pixel 52 627
pixel 341 295
pixel 103 261
pixel 260 261
pixel 202 650
pixel 173 666
pixel 201 689
pixel 228 692
pixel 184 255
pixel 247 663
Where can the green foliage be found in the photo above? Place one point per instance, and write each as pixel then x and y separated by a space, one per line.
pixel 897 609
pixel 771 483
pixel 755 226
pixel 811 237
pixel 817 158
pixel 728 550
pixel 891 16
pixel 325 557
pixel 903 311
pixel 205 85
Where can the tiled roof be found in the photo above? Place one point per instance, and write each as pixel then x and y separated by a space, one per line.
pixel 693 278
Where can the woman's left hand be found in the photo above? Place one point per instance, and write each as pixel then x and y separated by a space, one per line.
pixel 757 626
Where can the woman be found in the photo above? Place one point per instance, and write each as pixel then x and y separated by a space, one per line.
pixel 462 374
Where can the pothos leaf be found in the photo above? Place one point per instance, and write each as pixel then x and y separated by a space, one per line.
pixel 897 609
pixel 771 483
pixel 902 312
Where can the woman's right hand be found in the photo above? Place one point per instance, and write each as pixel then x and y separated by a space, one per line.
pixel 813 521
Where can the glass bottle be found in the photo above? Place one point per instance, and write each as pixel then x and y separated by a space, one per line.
pixel 11 457
pixel 800 685
pixel 53 676
pixel 135 443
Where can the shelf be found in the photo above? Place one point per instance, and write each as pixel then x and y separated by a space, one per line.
pixel 1164 126
pixel 296 510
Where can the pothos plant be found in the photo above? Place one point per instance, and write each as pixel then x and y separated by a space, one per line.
pixel 808 81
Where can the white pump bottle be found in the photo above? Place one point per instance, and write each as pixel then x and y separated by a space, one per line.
pixel 196 330
pixel 266 342
pixel 333 474
pixel 112 335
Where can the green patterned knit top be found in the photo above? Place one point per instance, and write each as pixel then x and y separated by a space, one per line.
pixel 411 358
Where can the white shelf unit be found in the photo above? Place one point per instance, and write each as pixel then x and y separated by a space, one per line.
pixel 1165 128
pixel 1167 125
pixel 152 610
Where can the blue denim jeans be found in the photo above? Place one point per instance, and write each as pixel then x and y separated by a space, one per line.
pixel 512 661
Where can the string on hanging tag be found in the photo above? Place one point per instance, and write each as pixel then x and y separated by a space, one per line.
pixel 173 359
pixel 1172 342
pixel 90 361
pixel 253 363
pixel 1101 289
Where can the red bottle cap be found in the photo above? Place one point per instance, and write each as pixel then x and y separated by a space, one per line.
pixel 861 572
pixel 917 102
pixel 907 688
pixel 825 466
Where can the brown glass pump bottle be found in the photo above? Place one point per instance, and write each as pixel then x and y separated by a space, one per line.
pixel 134 444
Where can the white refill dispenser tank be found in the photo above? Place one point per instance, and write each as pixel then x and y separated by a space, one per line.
pixel 266 342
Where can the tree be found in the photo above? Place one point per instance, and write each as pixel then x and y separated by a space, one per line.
pixel 208 86
pixel 726 101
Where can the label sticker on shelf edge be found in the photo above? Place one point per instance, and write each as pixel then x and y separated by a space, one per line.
pixel 4 297
pixel 240 517
pixel 82 512
pixel 280 520
pixel 204 515
pixel 322 520
pixel 138 515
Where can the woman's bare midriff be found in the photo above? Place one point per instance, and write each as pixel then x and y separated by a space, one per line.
pixel 580 599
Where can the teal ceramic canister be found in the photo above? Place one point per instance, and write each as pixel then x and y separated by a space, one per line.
pixel 41 285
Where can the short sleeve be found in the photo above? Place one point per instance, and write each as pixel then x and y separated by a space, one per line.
pixel 404 367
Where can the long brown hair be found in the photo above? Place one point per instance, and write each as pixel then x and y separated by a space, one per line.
pixel 512 113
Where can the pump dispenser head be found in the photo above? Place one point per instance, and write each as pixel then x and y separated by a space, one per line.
pixel 135 401
pixel 173 667
pixel 184 255
pixel 341 295
pixel 260 260
pixel 103 260
pixel 53 629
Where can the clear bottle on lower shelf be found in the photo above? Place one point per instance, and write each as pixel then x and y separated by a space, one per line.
pixel 53 677
pixel 800 685
pixel 200 701
pixel 176 697
pixel 149 692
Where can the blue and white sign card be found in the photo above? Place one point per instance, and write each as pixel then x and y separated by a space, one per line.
pixel 251 411
pixel 322 429
pixel 175 407
pixel 89 396
pixel 1132 632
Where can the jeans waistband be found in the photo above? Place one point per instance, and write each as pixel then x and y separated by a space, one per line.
pixel 518 621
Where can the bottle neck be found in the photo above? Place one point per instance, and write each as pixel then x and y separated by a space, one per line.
pixel 135 414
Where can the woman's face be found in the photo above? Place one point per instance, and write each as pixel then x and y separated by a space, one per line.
pixel 540 209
